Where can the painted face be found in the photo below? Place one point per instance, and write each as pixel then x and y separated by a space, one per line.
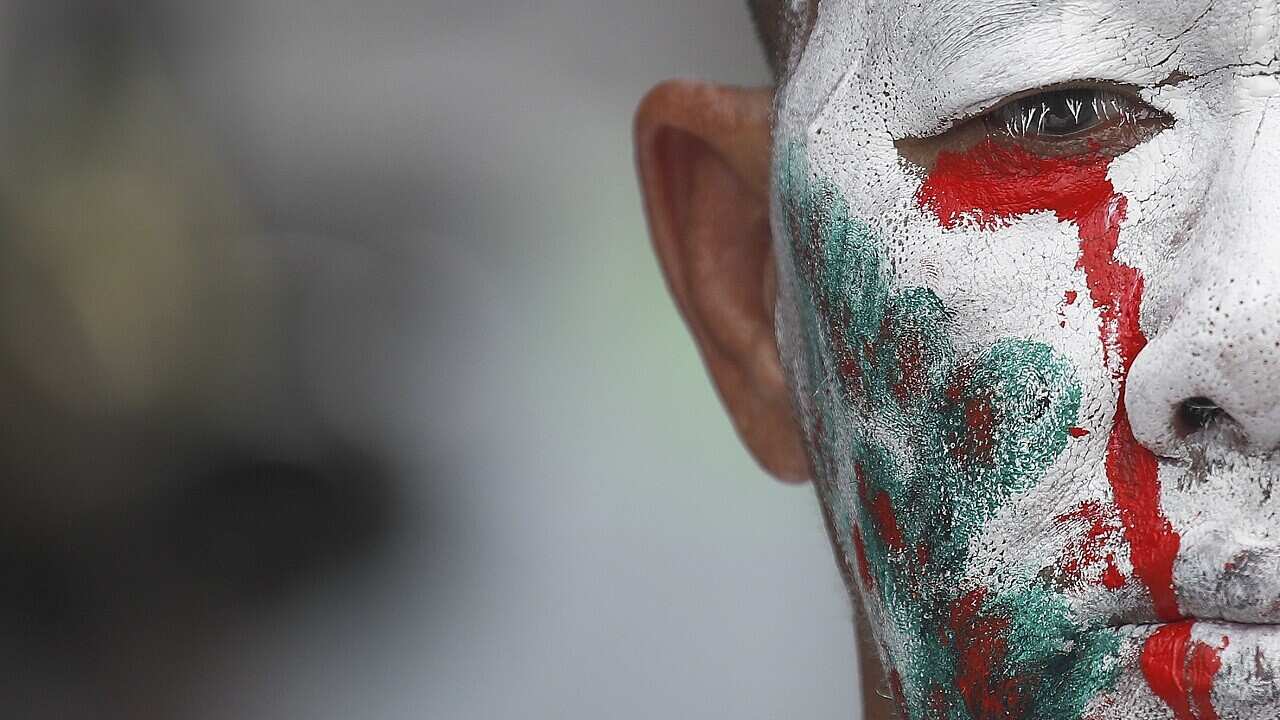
pixel 1030 269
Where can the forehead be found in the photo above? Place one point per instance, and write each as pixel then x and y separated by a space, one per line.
pixel 942 58
pixel 950 27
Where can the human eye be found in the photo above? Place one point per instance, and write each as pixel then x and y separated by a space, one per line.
pixel 1073 121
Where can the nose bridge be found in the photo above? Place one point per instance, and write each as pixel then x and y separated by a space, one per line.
pixel 1223 342
pixel 1235 240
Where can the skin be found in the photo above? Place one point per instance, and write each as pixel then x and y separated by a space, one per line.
pixel 1029 373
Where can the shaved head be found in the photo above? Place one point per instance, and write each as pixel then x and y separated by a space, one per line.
pixel 780 23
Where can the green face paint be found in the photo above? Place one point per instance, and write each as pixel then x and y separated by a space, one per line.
pixel 917 447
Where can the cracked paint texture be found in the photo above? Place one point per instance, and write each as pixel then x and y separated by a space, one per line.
pixel 988 354
pixel 980 429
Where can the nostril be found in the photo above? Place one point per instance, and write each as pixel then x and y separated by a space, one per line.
pixel 1196 414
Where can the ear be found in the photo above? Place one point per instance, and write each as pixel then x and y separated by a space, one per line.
pixel 704 155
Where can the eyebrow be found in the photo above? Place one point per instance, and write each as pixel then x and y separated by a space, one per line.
pixel 952 28
pixel 958 31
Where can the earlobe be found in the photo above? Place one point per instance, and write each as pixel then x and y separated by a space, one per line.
pixel 703 153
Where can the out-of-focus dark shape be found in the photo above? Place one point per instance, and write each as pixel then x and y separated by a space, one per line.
pixel 164 470
pixel 252 527
pixel 337 379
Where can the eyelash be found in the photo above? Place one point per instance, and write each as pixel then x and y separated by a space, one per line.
pixel 1026 118
pixel 1048 123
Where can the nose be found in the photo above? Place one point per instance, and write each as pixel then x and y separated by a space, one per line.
pixel 1216 361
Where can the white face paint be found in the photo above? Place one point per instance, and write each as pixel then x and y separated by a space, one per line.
pixel 1037 361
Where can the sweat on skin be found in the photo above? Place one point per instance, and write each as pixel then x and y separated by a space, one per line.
pixel 1027 292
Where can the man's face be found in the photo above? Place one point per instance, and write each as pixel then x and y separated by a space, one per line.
pixel 1030 278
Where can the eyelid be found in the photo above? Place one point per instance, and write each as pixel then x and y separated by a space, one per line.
pixel 1127 91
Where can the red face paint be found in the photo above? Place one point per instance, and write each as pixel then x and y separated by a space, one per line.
pixel 1202 668
pixel 911 369
pixel 980 418
pixel 860 553
pixel 881 506
pixel 982 648
pixel 1102 528
pixel 899 699
pixel 1112 578
pixel 990 184
pixel 1181 672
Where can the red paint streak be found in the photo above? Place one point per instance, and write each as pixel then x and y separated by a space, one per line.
pixel 1099 535
pixel 990 184
pixel 849 370
pixel 1112 578
pixel 1116 290
pixel 982 650
pixel 980 417
pixel 910 369
pixel 1180 672
pixel 978 443
pixel 848 367
pixel 1204 665
pixel 887 522
pixel 899 698
pixel 882 513
pixel 1164 660
pixel 1069 298
pixel 937 705
pixel 1153 543
pixel 864 567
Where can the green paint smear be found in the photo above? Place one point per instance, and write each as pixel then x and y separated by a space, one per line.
pixel 971 434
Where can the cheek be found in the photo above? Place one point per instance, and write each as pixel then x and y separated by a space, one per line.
pixel 922 443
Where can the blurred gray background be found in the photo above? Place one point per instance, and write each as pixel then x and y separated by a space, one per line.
pixel 341 382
